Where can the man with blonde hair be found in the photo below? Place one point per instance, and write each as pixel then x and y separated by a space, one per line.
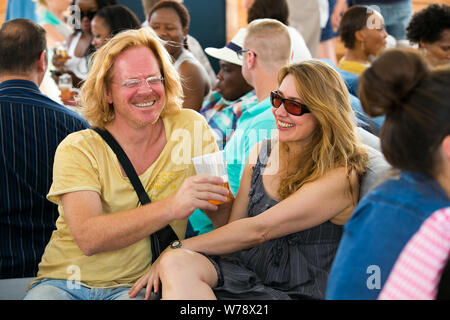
pixel 102 242
pixel 266 49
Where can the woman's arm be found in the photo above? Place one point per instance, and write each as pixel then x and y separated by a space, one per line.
pixel 95 231
pixel 313 204
pixel 195 85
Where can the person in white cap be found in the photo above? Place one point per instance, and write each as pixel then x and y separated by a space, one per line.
pixel 267 48
pixel 222 109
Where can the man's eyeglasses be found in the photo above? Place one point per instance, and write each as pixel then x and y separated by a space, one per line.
pixel 293 107
pixel 241 52
pixel 134 83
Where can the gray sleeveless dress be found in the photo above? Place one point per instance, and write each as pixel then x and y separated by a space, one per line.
pixel 295 266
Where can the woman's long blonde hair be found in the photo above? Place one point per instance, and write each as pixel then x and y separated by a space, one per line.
pixel 94 90
pixel 334 144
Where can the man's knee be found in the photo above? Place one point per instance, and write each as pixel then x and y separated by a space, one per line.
pixel 47 292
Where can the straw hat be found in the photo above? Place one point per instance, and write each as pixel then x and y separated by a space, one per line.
pixel 229 52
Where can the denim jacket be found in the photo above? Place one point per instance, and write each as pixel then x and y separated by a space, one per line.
pixel 380 227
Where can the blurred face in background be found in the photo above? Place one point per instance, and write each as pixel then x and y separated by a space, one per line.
pixel 167 24
pixel 374 34
pixel 231 84
pixel 438 52
pixel 57 5
pixel 101 32
pixel 88 8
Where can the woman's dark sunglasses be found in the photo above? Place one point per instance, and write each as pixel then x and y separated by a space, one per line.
pixel 293 107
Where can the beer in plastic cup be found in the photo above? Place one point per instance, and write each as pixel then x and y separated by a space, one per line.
pixel 213 164
pixel 65 86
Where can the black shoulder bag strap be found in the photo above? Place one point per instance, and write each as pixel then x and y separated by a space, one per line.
pixel 161 238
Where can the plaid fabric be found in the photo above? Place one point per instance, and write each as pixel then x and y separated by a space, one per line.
pixel 222 115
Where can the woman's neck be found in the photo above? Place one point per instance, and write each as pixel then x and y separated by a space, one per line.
pixel 177 54
pixel 356 55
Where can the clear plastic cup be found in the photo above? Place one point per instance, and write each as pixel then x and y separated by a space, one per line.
pixel 213 164
pixel 61 52
pixel 65 86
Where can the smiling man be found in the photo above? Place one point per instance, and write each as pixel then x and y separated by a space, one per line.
pixel 101 244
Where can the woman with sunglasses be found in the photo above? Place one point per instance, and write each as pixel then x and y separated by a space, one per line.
pixel 79 43
pixel 286 221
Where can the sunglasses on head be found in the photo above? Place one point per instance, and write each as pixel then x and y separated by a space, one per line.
pixel 291 106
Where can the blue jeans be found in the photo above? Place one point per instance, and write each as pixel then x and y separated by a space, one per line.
pixel 54 289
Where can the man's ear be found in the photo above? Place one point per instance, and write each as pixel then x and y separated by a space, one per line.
pixel 251 59
pixel 446 147
pixel 42 61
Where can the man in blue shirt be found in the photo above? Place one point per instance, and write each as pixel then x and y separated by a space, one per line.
pixel 260 65
pixel 31 127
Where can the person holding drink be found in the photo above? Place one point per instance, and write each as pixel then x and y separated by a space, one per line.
pixel 288 215
pixel 213 164
pixel 102 233
pixel 72 58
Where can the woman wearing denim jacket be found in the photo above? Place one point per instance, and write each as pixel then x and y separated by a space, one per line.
pixel 415 139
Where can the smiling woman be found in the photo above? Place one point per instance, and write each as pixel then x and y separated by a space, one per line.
pixel 111 20
pixel 79 43
pixel 289 220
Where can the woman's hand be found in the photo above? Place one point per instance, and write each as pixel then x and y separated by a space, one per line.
pixel 194 194
pixel 150 280
pixel 59 61
pixel 338 11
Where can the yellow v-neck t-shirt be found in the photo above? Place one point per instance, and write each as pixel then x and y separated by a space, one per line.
pixel 84 161
pixel 353 66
